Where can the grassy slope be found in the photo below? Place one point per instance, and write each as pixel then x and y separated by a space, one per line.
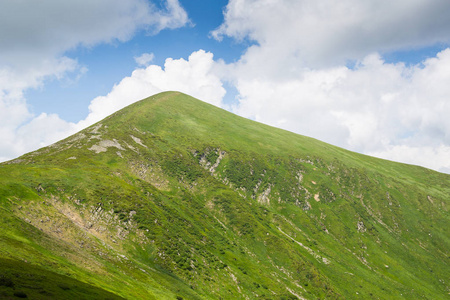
pixel 151 220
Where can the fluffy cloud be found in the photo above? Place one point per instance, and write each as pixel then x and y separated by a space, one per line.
pixel 431 157
pixel 21 132
pixel 33 31
pixel 144 59
pixel 173 17
pixel 387 110
pixel 295 76
pixel 195 76
pixel 35 35
pixel 320 33
pixel 14 112
pixel 33 39
pixel 41 131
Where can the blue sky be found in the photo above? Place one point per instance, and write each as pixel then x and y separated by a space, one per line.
pixel 370 76
pixel 108 63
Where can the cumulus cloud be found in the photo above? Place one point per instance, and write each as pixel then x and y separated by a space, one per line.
pixel 294 75
pixel 14 111
pixel 21 132
pixel 45 29
pixel 195 76
pixel 320 33
pixel 34 37
pixel 144 59
pixel 382 109
pixel 41 131
pixel 432 157
pixel 173 17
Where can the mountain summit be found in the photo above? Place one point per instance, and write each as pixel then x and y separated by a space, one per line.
pixel 173 198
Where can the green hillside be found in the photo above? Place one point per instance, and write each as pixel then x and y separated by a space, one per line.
pixel 173 198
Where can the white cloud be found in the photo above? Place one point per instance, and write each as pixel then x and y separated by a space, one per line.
pixel 34 35
pixel 320 33
pixel 21 132
pixel 294 75
pixel 195 76
pixel 376 108
pixel 144 59
pixel 33 31
pixel 436 158
pixel 174 16
pixel 43 130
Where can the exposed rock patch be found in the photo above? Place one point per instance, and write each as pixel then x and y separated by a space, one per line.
pixel 76 137
pixel 131 147
pixel 138 141
pixel 97 149
pixel 218 160
pixel 104 145
pixel 306 205
pixel 299 177
pixel 263 198
pixel 96 128
pixel 208 165
pixel 360 226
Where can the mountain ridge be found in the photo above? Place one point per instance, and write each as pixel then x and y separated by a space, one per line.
pixel 174 197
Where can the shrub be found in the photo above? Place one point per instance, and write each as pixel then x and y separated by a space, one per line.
pixel 64 287
pixel 20 294
pixel 5 281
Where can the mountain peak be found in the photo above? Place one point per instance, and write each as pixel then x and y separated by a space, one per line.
pixel 173 198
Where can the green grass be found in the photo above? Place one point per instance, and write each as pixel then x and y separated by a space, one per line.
pixel 24 280
pixel 151 220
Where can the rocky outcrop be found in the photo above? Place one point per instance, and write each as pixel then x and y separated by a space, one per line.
pixel 103 145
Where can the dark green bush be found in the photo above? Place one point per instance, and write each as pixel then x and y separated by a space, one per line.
pixel 64 287
pixel 20 294
pixel 6 281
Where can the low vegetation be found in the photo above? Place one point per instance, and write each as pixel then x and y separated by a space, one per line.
pixel 172 198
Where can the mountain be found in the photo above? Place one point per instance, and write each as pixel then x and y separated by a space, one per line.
pixel 173 198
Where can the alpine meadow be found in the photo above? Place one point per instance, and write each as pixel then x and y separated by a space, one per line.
pixel 174 198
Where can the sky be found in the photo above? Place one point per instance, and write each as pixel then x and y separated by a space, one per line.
pixel 371 76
